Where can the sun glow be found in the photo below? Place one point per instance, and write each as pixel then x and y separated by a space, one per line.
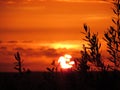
pixel 65 62
pixel 67 46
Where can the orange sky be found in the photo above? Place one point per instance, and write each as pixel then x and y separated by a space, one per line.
pixel 43 30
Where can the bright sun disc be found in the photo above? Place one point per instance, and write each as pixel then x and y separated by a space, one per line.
pixel 65 62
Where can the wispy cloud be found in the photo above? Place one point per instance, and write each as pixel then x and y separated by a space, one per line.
pixel 12 42
pixel 3 48
pixel 39 57
pixel 27 41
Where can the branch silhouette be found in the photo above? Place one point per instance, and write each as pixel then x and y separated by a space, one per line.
pixel 112 37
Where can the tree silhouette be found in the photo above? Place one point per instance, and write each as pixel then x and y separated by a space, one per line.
pixel 19 62
pixel 82 62
pixel 112 36
pixel 53 68
pixel 93 47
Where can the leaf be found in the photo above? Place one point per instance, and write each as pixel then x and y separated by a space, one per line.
pixel 49 69
pixel 119 33
pixel 112 28
pixel 114 21
pixel 85 27
pixel 107 37
pixel 110 31
pixel 118 21
pixel 85 39
pixel 119 6
pixel 110 59
pixel 109 51
pixel 18 55
pixel 89 34
pixel 114 11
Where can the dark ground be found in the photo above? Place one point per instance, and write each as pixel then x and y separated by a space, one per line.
pixel 60 81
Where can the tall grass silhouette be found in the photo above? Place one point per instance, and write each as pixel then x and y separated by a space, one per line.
pixel 18 64
pixel 93 47
pixel 112 37
pixel 82 62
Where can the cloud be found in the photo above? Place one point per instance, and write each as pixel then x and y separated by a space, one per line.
pixel 42 51
pixel 39 57
pixel 27 41
pixel 50 52
pixel 18 49
pixel 12 41
pixel 3 48
pixel 38 49
pixel 46 51
pixel 6 53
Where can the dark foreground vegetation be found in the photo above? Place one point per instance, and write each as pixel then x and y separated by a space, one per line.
pixel 60 81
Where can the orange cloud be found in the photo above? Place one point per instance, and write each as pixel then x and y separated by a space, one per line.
pixel 41 57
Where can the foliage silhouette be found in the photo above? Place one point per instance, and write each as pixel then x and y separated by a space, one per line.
pixel 18 64
pixel 93 47
pixel 82 62
pixel 112 37
pixel 54 67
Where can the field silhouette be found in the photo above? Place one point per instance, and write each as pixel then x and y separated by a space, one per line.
pixel 60 81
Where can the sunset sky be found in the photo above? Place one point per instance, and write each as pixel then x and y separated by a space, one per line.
pixel 43 30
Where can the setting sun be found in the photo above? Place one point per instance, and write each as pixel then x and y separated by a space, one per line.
pixel 65 62
pixel 42 30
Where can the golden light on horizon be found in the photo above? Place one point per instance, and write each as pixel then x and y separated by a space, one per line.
pixel 67 46
pixel 65 62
